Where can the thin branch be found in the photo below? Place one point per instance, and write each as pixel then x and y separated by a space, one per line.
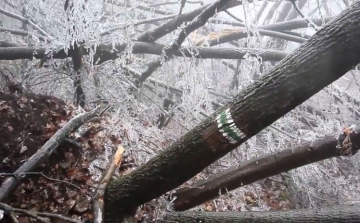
pixel 174 3
pixel 36 215
pixel 13 217
pixel 135 74
pixel 9 209
pixel 142 7
pixel 234 17
pixel 137 23
pixel 41 174
pixel 49 215
pixel 98 202
pixel 19 32
pixel 25 20
pixel 303 16
pixel 195 24
pixel 10 4
pixel 182 5
pixel 45 151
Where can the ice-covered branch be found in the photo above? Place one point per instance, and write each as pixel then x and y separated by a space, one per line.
pixel 25 20
pixel 265 166
pixel 16 53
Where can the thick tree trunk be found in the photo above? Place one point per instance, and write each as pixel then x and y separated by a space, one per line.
pixel 346 213
pixel 316 64
pixel 265 166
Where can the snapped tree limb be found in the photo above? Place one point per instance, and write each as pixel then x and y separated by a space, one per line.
pixel 98 200
pixel 45 151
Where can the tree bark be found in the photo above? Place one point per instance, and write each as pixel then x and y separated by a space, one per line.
pixel 316 64
pixel 345 213
pixel 262 167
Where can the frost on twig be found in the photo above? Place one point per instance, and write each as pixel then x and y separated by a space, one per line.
pixel 20 18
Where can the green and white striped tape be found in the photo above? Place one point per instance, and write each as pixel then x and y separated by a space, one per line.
pixel 228 128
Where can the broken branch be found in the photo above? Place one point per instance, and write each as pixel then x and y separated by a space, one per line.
pixel 45 151
pixel 98 202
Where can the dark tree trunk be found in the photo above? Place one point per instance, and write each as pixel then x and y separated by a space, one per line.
pixel 316 64
pixel 346 213
pixel 262 167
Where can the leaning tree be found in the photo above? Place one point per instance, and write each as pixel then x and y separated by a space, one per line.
pixel 149 84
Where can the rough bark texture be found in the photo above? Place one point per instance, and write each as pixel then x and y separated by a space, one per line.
pixel 262 167
pixel 316 64
pixel 346 213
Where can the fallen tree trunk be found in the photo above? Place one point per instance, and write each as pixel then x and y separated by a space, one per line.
pixel 44 152
pixel 345 213
pixel 295 79
pixel 262 167
pixel 13 52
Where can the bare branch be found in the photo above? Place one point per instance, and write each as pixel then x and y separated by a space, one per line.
pixel 41 174
pixel 35 215
pixel 182 5
pixel 174 3
pixel 293 2
pixel 138 23
pixel 233 16
pixel 10 209
pixel 20 18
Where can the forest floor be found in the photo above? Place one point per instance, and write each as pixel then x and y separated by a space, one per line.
pixel 64 184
